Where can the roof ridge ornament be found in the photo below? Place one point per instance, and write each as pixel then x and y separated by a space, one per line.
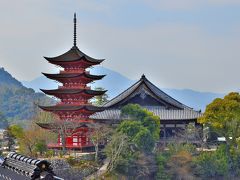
pixel 75 31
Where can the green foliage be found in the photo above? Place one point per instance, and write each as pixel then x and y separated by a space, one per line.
pixel 131 146
pixel 130 128
pixel 137 134
pixel 16 131
pixel 102 99
pixel 32 140
pixel 17 101
pixel 49 153
pixel 147 118
pixel 152 123
pixel 176 147
pixel 211 164
pixel 41 146
pixel 144 140
pixel 223 115
pixel 176 161
pixel 13 132
pixel 162 159
pixel 76 162
pixel 142 126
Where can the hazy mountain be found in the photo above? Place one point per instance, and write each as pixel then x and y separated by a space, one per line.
pixel 115 83
pixel 195 99
pixel 6 79
pixel 16 101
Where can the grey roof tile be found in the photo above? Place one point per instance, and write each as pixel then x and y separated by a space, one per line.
pixel 164 114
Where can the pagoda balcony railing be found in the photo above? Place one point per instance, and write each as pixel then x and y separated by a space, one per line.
pixel 74 71
pixel 74 103
pixel 75 118
pixel 74 87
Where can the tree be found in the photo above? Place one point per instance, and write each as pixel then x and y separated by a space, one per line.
pixel 191 134
pixel 64 127
pixel 144 140
pixel 138 134
pixel 102 99
pixel 141 126
pixel 98 134
pixel 134 139
pixel 223 115
pixel 145 117
pixel 13 132
pixel 117 146
pixel 32 139
pixel 16 130
pixel 41 146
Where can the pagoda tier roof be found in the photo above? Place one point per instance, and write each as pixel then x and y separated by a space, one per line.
pixel 73 92
pixel 142 88
pixel 72 108
pixel 56 126
pixel 73 75
pixel 74 54
pixel 164 114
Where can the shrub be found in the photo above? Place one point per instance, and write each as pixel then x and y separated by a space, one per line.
pixel 176 147
pixel 49 153
pixel 180 165
pixel 210 164
pixel 162 159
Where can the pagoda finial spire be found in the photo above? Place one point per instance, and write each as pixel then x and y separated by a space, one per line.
pixel 75 30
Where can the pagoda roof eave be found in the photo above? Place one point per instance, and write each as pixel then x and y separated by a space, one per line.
pixel 55 126
pixel 74 54
pixel 73 75
pixel 73 91
pixel 55 108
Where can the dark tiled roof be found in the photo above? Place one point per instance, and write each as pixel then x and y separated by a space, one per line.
pixel 164 114
pixel 151 88
pixel 8 174
pixel 72 108
pixel 73 75
pixel 74 54
pixel 57 125
pixel 72 91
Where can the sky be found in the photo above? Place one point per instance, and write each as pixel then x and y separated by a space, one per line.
pixel 192 44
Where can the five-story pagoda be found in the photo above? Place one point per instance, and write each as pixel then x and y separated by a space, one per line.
pixel 74 106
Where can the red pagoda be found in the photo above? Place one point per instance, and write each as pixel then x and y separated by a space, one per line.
pixel 74 106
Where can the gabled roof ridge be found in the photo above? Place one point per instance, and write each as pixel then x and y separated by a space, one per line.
pixel 109 102
pixel 157 91
pixel 168 96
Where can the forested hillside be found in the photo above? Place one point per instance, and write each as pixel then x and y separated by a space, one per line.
pixel 16 101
